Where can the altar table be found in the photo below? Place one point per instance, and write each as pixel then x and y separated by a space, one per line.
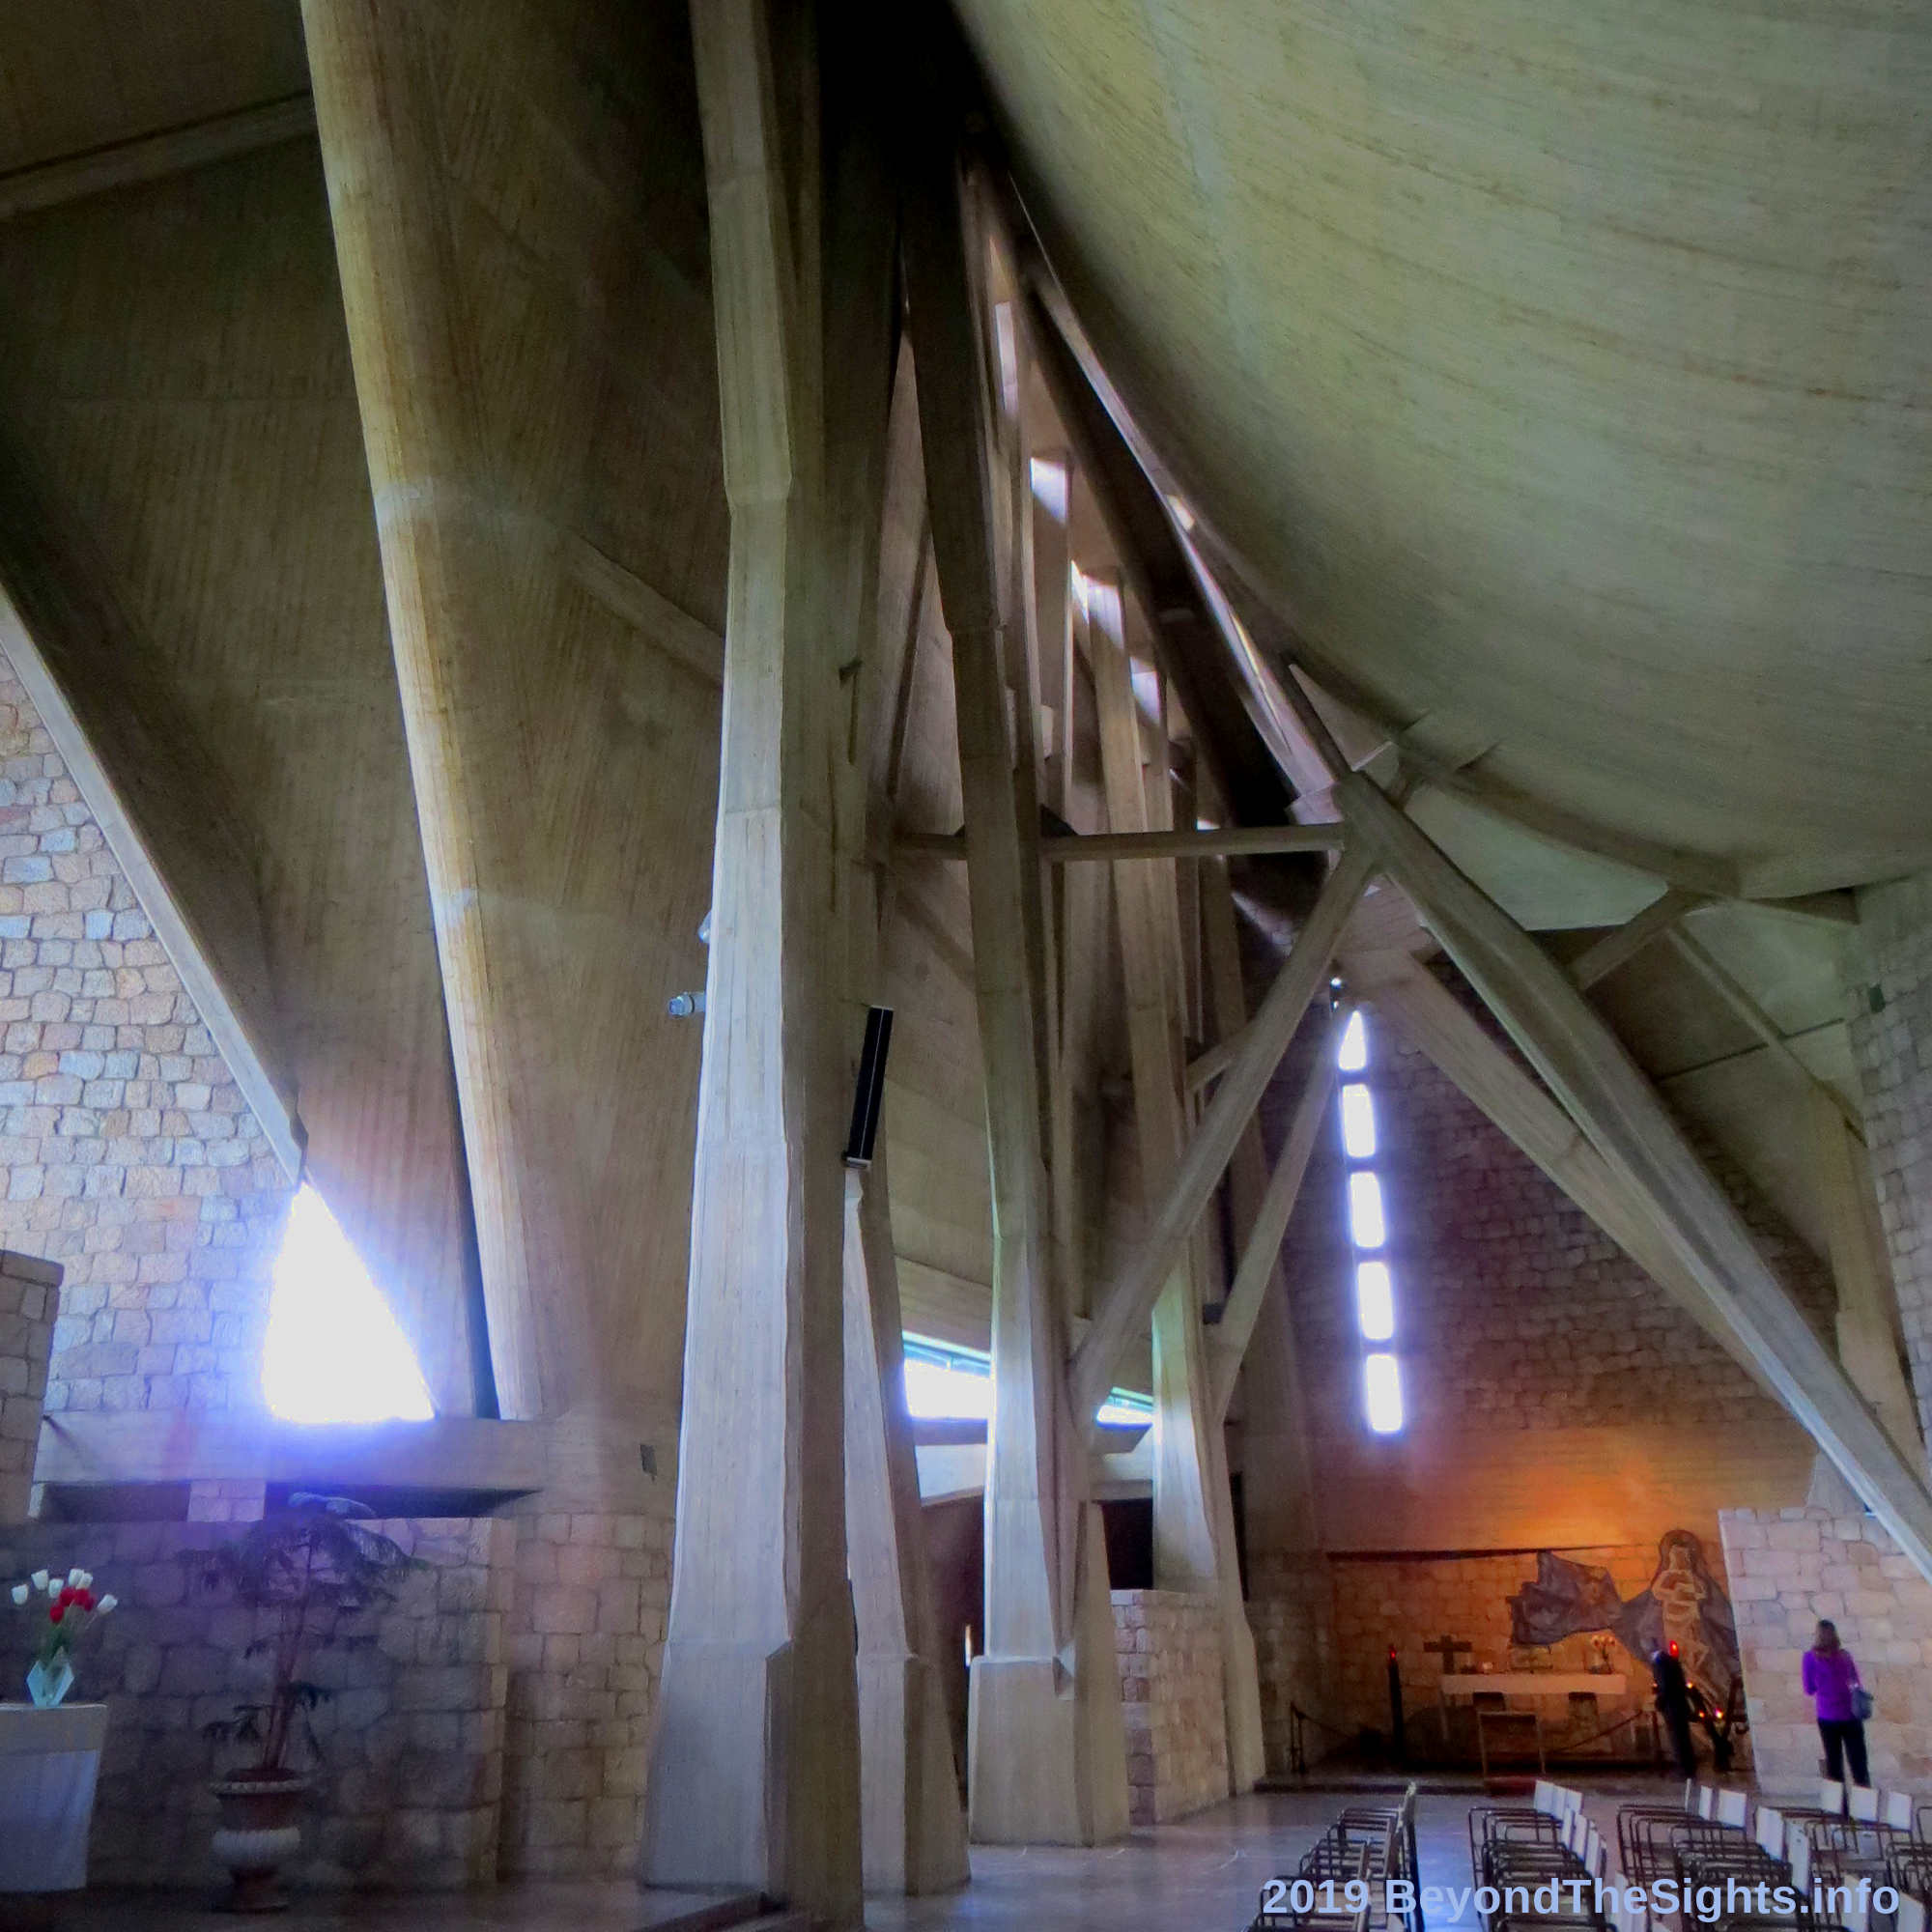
pixel 48 1763
pixel 1533 1683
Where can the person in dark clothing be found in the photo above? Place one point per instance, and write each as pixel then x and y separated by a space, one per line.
pixel 1673 1705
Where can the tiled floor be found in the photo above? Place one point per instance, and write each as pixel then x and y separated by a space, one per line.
pixel 1200 1875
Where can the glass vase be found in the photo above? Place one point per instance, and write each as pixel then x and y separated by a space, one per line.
pixel 49 1681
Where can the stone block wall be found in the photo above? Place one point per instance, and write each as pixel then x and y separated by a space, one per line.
pixel 1409 1602
pixel 410 1790
pixel 1514 1312
pixel 29 1307
pixel 127 1152
pixel 1292 1613
pixel 226 1500
pixel 1790 1568
pixel 1173 1698
pixel 585 1652
pixel 1888 1015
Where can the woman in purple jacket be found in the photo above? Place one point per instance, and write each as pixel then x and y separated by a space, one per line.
pixel 1831 1677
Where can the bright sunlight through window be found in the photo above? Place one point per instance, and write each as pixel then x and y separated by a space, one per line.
pixel 1353 1053
pixel 1358 1121
pixel 1365 1211
pixel 1375 1300
pixel 335 1352
pixel 946 1387
pixel 1368 1227
pixel 1382 1383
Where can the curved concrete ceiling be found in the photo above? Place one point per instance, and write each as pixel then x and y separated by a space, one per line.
pixel 1563 370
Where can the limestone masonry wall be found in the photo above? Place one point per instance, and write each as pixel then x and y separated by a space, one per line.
pixel 1408 1603
pixel 498 1727
pixel 1171 1690
pixel 585 1652
pixel 1791 1568
pixel 1291 1610
pixel 128 1153
pixel 1888 1011
pixel 410 1791
pixel 29 1306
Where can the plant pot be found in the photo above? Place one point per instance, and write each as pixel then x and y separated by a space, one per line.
pixel 258 1836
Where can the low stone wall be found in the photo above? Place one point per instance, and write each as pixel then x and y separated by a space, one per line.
pixel 29 1307
pixel 410 1791
pixel 1787 1570
pixel 585 1650
pixel 1173 1698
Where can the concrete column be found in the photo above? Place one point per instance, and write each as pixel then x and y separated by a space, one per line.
pixel 561 762
pixel 754 1778
pixel 1048 1756
pixel 563 758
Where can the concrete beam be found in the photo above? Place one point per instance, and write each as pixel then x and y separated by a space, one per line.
pixel 154 156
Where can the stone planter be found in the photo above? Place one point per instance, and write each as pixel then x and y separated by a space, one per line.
pixel 258 1836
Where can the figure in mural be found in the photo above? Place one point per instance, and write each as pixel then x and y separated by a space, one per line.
pixel 1683 1604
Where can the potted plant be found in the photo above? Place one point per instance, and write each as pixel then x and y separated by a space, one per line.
pixel 59 1621
pixel 312 1569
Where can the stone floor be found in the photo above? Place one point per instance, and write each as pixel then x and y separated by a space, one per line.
pixel 1200 1875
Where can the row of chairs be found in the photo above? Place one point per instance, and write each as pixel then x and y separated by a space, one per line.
pixel 1366 1847
pixel 1542 1863
pixel 1718 1844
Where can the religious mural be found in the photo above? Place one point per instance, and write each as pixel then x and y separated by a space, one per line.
pixel 1685 1602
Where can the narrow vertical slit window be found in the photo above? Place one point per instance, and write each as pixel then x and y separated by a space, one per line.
pixel 1382 1389
pixel 1358 1120
pixel 1353 1054
pixel 1375 1300
pixel 1365 1210
pixel 1368 1231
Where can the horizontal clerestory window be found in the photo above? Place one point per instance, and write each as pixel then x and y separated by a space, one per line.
pixel 948 1383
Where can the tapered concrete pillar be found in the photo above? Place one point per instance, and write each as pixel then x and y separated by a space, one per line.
pixel 563 753
pixel 754 1767
pixel 913 1823
pixel 1048 1755
pixel 1193 1512
pixel 556 919
pixel 913 1829
pixel 375 111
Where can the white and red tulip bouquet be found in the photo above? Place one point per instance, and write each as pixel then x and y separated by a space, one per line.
pixel 63 1609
